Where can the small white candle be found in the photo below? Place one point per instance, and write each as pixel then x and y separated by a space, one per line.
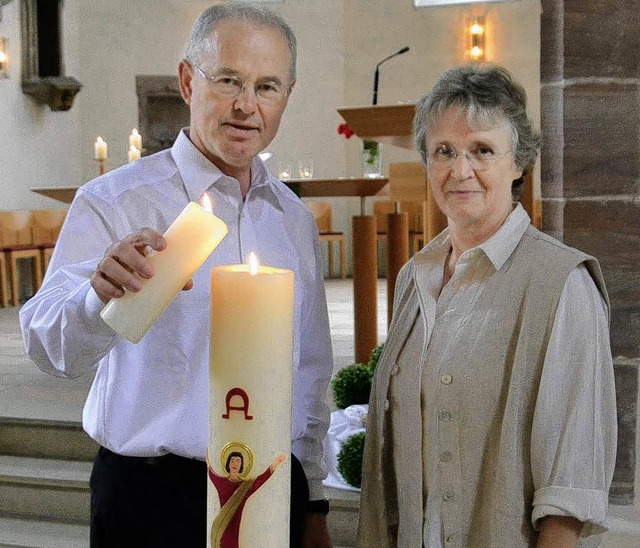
pixel 133 154
pixel 191 238
pixel 251 364
pixel 135 139
pixel 100 149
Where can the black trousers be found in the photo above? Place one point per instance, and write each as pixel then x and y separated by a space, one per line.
pixel 161 502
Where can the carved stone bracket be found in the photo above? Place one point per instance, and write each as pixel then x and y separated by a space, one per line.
pixel 56 91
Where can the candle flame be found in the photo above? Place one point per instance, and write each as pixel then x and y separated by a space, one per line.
pixel 206 203
pixel 99 140
pixel 253 263
pixel 476 52
pixel 134 132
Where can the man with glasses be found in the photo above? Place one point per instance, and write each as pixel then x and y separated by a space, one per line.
pixel 148 405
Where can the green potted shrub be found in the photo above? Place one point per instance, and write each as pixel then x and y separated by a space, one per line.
pixel 352 384
pixel 350 459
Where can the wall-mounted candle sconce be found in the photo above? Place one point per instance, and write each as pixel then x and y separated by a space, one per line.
pixel 4 58
pixel 477 38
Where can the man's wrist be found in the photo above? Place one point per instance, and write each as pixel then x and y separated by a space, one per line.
pixel 320 506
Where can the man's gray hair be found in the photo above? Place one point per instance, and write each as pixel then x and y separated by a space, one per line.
pixel 488 95
pixel 207 21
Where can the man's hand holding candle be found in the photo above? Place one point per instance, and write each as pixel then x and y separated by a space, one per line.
pixel 122 260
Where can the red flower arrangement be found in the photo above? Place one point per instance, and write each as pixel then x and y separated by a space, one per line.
pixel 344 129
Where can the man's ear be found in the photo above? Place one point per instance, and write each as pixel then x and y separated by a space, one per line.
pixel 185 74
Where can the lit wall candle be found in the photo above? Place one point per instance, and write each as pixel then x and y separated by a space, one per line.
pixel 135 139
pixel 133 154
pixel 191 238
pixel 250 405
pixel 100 149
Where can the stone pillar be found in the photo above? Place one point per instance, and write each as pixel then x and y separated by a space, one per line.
pixel 590 76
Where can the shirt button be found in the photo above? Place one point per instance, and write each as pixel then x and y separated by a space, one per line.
pixel 446 379
pixel 386 405
pixel 394 371
pixel 448 496
pixel 445 456
pixel 445 416
pixel 450 538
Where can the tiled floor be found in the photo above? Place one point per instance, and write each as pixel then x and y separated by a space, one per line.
pixel 27 392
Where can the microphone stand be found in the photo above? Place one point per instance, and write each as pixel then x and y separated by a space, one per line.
pixel 376 75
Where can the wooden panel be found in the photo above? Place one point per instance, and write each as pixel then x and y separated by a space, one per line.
pixel 345 186
pixel 64 194
pixel 530 201
pixel 407 182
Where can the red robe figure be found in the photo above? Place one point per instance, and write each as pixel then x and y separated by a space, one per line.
pixel 233 492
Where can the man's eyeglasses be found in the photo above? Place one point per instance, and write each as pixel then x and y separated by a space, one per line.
pixel 268 92
pixel 479 158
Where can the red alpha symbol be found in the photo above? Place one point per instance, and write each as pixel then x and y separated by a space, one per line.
pixel 244 407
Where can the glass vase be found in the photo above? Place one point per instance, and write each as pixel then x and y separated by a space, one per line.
pixel 371 159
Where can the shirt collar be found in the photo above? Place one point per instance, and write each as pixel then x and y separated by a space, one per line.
pixel 498 248
pixel 501 245
pixel 199 173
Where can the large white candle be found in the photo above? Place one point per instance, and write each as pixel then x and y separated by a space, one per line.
pixel 135 139
pixel 100 149
pixel 190 240
pixel 250 406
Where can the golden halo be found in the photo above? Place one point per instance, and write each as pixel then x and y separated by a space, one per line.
pixel 247 457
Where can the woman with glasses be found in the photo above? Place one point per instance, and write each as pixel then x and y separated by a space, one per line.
pixel 492 419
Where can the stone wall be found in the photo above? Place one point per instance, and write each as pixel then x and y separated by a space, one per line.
pixel 590 180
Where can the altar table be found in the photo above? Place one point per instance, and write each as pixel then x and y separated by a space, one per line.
pixel 364 242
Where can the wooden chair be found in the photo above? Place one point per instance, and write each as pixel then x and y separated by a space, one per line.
pixel 323 215
pixel 16 242
pixel 4 290
pixel 46 226
pixel 408 183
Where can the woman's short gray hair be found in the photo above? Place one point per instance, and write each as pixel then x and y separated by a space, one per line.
pixel 488 94
pixel 207 21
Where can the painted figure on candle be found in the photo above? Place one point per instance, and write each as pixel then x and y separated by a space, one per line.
pixel 234 490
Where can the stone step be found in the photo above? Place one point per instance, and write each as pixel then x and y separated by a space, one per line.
pixel 45 489
pixel 23 533
pixel 343 517
pixel 61 440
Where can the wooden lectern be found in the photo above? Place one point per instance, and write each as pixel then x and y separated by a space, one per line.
pixel 387 124
pixel 393 125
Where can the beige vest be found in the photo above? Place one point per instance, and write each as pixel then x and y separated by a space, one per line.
pixel 521 298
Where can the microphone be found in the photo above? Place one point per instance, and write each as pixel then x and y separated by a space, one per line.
pixel 377 73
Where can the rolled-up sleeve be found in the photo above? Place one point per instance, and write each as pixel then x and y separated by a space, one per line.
pixel 574 431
